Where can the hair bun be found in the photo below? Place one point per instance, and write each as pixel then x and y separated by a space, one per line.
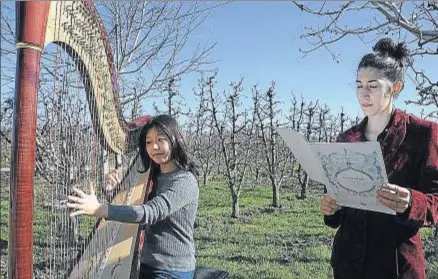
pixel 388 47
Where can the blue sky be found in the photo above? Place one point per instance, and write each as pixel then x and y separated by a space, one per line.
pixel 263 46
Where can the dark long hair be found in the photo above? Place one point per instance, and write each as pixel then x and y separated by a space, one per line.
pixel 166 125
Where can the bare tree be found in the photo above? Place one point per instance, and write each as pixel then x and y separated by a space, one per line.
pixel 333 127
pixel 295 119
pixel 276 159
pixel 201 133
pixel 324 124
pixel 172 100
pixel 136 109
pixel 321 128
pixel 256 167
pixel 5 131
pixel 149 41
pixel 7 77
pixel 414 22
pixel 303 176
pixel 342 119
pixel 235 130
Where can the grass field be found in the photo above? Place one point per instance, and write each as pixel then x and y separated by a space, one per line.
pixel 266 242
pixel 291 242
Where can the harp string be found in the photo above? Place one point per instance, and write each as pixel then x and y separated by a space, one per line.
pixel 88 79
pixel 75 220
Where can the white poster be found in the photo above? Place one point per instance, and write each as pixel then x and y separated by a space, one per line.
pixel 351 172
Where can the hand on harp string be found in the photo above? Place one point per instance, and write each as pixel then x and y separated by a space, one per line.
pixel 89 204
pixel 86 203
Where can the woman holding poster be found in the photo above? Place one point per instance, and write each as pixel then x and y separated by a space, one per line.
pixel 376 245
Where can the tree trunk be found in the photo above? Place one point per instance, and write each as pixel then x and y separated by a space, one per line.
pixel 304 181
pixel 275 193
pixel 293 168
pixel 235 206
pixel 204 178
pixel 304 185
pixel 257 175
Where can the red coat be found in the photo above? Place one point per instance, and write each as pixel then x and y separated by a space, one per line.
pixel 381 246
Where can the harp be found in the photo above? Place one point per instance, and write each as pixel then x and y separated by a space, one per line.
pixel 68 130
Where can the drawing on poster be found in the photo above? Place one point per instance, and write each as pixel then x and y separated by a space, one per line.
pixel 354 172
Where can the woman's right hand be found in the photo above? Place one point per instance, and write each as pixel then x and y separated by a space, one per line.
pixel 328 205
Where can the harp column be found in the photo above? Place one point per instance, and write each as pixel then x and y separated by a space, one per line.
pixel 30 42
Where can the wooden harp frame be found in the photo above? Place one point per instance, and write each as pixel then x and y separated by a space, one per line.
pixel 39 23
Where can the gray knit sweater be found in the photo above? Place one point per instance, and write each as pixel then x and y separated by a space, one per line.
pixel 169 218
